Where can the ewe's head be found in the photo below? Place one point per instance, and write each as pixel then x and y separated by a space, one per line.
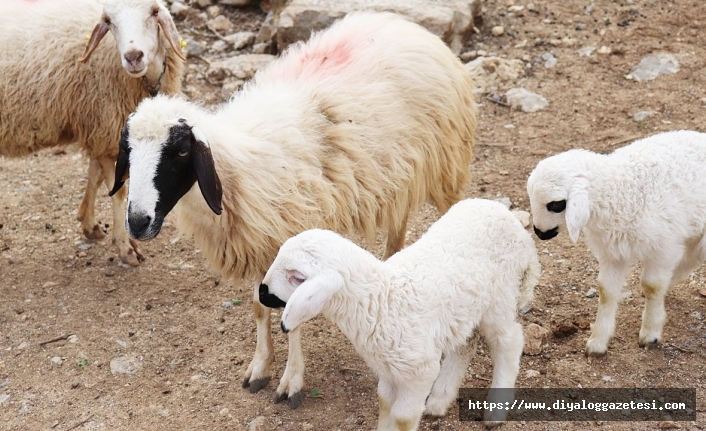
pixel 558 193
pixel 305 275
pixel 164 154
pixel 135 24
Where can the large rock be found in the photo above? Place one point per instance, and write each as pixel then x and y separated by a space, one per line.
pixel 535 338
pixel 653 66
pixel 490 72
pixel 452 20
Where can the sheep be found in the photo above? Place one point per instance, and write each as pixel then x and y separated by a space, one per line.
pixel 470 271
pixel 350 131
pixel 47 98
pixel 644 202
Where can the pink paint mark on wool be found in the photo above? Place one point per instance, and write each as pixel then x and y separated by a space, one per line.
pixel 318 61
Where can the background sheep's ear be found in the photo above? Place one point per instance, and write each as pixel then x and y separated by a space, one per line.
pixel 170 31
pixel 310 298
pixel 206 175
pixel 577 208
pixel 98 32
pixel 122 166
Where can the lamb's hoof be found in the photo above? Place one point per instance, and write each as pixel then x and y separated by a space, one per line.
pixel 650 345
pixel 95 233
pixel 294 401
pixel 255 385
pixel 489 425
pixel 593 354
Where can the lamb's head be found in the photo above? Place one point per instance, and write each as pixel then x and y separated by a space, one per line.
pixel 305 275
pixel 136 25
pixel 164 154
pixel 558 192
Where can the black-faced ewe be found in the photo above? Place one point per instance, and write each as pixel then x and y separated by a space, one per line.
pixel 469 272
pixel 645 202
pixel 48 97
pixel 351 131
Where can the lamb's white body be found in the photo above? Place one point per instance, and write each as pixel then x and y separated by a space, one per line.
pixel 472 270
pixel 49 98
pixel 645 202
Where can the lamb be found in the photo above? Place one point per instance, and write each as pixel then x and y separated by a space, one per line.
pixel 351 131
pixel 470 271
pixel 644 202
pixel 48 99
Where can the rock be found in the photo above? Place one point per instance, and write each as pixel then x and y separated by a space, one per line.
pixel 642 115
pixel 604 50
pixel 702 292
pixel 213 11
pixel 505 201
pixel 240 66
pixel 257 424
pixel 219 46
pixel 124 365
pixel 523 217
pixel 498 30
pixel 591 293
pixel 224 411
pixel 203 3
pixel 84 247
pixel 240 39
pixel 607 378
pixel 526 100
pixel 468 56
pixel 564 330
pixel 530 374
pixel 122 343
pixel 526 309
pixel 227 304
pixel 262 48
pixel 23 345
pixel 696 315
pixel 492 71
pixel 268 29
pixel 57 360
pixel 535 337
pixel 238 3
pixel 549 60
pixel 177 8
pixel 220 23
pixel 653 66
pixel 194 48
pixel 452 20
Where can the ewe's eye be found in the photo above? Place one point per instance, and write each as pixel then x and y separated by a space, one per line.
pixel 556 206
pixel 183 153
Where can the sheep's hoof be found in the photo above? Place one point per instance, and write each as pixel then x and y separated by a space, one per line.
pixel 95 233
pixel 255 385
pixel 294 401
pixel 489 425
pixel 650 345
pixel 592 354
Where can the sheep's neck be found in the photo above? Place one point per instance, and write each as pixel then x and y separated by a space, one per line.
pixel 152 80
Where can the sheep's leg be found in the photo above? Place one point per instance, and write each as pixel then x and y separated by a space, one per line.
pixel 292 381
pixel 611 278
pixel 504 338
pixel 656 276
pixel 257 376
pixel 386 397
pixel 408 404
pixel 453 370
pixel 127 248
pixel 693 258
pixel 87 209
pixel 396 239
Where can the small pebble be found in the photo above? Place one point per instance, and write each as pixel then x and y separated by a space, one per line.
pixel 84 247
pixel 224 411
pixel 696 315
pixel 604 50
pixel 498 30
pixel 57 360
pixel 227 304
pixel 591 293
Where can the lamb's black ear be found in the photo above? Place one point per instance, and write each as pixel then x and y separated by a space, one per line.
pixel 206 174
pixel 122 166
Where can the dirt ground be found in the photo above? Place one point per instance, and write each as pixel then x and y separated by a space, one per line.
pixel 192 351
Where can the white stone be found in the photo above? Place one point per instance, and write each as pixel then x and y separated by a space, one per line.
pixel 220 23
pixel 178 8
pixel 653 66
pixel 492 71
pixel 240 66
pixel 530 374
pixel 591 293
pixel 526 100
pixel 240 39
pixel 642 115
pixel 586 51
pixel 124 365
pixel 498 30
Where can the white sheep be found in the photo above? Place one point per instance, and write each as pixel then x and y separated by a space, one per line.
pixel 48 98
pixel 471 270
pixel 644 202
pixel 351 131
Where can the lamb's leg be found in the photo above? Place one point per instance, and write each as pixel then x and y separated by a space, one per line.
pixel 693 258
pixel 386 396
pixel 396 239
pixel 408 405
pixel 504 338
pixel 87 209
pixel 656 276
pixel 292 381
pixel 257 376
pixel 127 248
pixel 453 370
pixel 611 278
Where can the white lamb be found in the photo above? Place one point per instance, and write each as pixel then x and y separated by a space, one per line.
pixel 645 202
pixel 351 131
pixel 472 270
pixel 57 88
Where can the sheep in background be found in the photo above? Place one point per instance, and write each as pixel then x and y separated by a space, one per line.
pixel 48 98
pixel 645 202
pixel 473 269
pixel 353 130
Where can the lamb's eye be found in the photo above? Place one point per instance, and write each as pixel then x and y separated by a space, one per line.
pixel 556 206
pixel 295 278
pixel 155 11
pixel 183 153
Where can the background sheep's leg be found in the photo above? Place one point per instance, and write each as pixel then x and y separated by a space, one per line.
pixel 87 209
pixel 504 338
pixel 453 369
pixel 257 376
pixel 396 239
pixel 656 276
pixel 127 248
pixel 611 278
pixel 292 381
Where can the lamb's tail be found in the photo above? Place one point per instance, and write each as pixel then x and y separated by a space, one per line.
pixel 530 278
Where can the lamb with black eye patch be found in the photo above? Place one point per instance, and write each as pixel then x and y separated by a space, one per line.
pixel 644 202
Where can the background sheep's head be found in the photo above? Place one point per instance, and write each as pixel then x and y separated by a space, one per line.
pixel 136 25
pixel 558 195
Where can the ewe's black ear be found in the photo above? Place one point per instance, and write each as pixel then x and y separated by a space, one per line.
pixel 206 175
pixel 122 166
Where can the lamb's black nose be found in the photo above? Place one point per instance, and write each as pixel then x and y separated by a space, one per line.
pixel 281 325
pixel 551 233
pixel 269 300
